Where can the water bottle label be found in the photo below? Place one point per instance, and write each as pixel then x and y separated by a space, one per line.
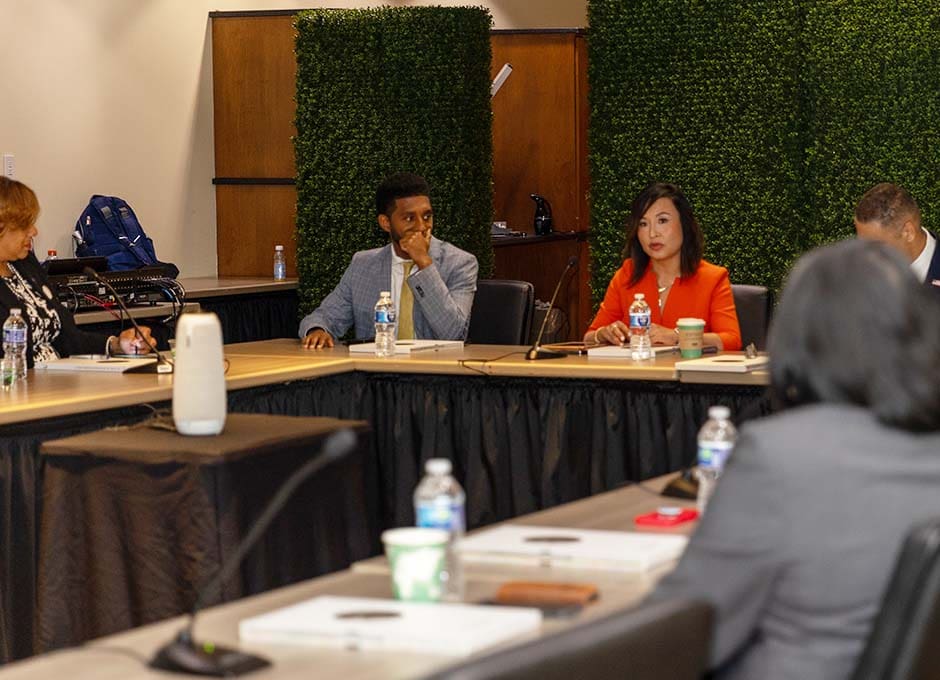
pixel 714 455
pixel 447 516
pixel 639 320
pixel 384 316
pixel 17 334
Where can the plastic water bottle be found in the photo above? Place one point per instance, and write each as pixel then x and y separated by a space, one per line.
pixel 14 342
pixel 280 264
pixel 640 329
pixel 385 325
pixel 439 504
pixel 715 442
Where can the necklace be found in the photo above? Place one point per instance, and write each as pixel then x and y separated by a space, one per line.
pixel 663 289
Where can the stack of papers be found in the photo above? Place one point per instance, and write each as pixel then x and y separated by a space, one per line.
pixel 728 363
pixel 409 346
pixel 623 351
pixel 365 623
pixel 94 362
pixel 574 548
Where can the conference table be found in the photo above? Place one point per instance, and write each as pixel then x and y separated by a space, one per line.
pixel 124 656
pixel 523 435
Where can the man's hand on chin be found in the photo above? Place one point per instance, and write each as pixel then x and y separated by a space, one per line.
pixel 416 244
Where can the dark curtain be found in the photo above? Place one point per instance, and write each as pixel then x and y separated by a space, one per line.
pixel 124 543
pixel 20 498
pixel 518 445
pixel 263 316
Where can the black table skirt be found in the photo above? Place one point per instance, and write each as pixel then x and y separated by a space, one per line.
pixel 518 444
pixel 260 316
pixel 123 543
pixel 20 499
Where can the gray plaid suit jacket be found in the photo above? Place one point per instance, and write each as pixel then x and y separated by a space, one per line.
pixel 443 294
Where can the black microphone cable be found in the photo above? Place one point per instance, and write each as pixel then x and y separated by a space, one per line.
pixel 161 359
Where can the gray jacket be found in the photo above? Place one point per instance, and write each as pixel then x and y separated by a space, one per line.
pixel 801 536
pixel 443 294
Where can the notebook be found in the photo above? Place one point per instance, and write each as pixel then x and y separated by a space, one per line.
pixel 409 346
pixel 623 352
pixel 727 363
pixel 574 548
pixel 95 362
pixel 373 624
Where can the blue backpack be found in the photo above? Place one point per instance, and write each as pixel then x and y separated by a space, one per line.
pixel 109 228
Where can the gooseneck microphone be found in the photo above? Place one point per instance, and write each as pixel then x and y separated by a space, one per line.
pixel 536 351
pixel 162 365
pixel 183 654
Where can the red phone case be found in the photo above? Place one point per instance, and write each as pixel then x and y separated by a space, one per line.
pixel 654 519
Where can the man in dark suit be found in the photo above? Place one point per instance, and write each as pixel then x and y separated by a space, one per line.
pixel 888 213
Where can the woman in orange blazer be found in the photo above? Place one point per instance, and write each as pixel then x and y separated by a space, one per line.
pixel 663 260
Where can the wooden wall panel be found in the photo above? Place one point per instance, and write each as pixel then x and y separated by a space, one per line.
pixel 535 129
pixel 540 120
pixel 542 262
pixel 254 73
pixel 581 139
pixel 255 219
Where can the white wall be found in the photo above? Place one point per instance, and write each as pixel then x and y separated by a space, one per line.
pixel 115 97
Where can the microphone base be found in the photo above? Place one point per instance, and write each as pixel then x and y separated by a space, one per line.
pixel 161 367
pixel 193 658
pixel 539 353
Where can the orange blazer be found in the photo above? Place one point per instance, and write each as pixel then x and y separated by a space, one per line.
pixel 704 295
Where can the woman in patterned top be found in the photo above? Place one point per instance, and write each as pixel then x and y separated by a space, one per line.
pixel 52 330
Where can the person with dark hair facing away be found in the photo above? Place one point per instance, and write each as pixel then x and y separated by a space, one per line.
pixel 432 282
pixel 52 332
pixel 888 213
pixel 663 260
pixel 801 535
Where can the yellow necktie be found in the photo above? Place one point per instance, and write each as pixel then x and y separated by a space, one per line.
pixel 406 304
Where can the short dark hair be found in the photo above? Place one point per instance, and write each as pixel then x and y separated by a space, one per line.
pixel 887 204
pixel 693 244
pixel 854 326
pixel 399 185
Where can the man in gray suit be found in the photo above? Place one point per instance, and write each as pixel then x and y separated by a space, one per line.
pixel 432 282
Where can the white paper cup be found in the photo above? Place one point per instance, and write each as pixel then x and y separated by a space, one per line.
pixel 691 337
pixel 416 556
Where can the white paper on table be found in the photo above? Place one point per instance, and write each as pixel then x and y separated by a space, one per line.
pixel 623 351
pixel 409 346
pixel 574 548
pixel 724 363
pixel 374 624
pixel 94 364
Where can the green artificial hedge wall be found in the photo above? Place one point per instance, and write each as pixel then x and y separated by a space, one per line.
pixel 775 116
pixel 873 107
pixel 380 91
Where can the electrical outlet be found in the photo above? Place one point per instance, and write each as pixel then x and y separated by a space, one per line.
pixel 9 165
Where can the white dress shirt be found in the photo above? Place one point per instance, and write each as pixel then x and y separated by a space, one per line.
pixel 922 263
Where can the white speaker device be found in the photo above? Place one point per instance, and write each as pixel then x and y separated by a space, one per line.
pixel 199 400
